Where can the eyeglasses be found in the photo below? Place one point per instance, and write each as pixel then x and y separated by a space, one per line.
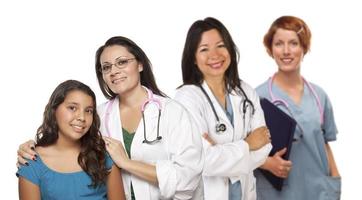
pixel 120 64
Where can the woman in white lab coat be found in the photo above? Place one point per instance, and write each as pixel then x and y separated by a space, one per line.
pixel 226 110
pixel 151 137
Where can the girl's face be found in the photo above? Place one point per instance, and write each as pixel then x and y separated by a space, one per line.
pixel 123 73
pixel 75 115
pixel 212 56
pixel 287 50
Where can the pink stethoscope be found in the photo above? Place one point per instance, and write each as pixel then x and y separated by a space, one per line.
pixel 279 101
pixel 150 99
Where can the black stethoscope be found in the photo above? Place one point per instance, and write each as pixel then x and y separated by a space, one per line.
pixel 150 99
pixel 221 127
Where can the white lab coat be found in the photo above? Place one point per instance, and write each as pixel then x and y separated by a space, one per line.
pixel 178 156
pixel 230 158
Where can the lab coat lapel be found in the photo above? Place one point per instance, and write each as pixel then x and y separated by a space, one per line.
pixel 236 101
pixel 114 122
pixel 219 110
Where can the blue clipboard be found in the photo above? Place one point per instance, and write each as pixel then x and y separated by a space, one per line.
pixel 281 127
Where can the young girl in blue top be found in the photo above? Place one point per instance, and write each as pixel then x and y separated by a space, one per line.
pixel 72 160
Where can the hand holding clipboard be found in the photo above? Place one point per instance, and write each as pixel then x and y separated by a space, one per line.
pixel 281 127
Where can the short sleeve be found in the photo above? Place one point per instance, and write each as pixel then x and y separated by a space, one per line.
pixel 30 172
pixel 109 162
pixel 329 125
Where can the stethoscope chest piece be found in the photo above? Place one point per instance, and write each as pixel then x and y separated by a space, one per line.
pixel 220 128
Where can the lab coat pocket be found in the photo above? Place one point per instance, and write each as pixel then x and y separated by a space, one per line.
pixel 154 152
pixel 333 185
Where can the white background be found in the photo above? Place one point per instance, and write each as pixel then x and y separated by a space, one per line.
pixel 43 43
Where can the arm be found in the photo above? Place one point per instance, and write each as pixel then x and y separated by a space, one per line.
pixel 115 189
pixel 140 169
pixel 331 162
pixel 26 151
pixel 330 132
pixel 258 138
pixel 227 159
pixel 255 140
pixel 258 157
pixel 258 141
pixel 179 175
pixel 28 190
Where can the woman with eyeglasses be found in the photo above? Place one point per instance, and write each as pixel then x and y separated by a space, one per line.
pixel 151 137
pixel 226 110
pixel 311 172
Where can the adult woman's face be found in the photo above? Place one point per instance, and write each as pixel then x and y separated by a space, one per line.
pixel 121 70
pixel 212 56
pixel 287 50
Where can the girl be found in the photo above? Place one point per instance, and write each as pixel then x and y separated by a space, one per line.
pixel 72 162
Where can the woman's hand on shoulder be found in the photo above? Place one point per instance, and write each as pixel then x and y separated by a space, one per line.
pixel 26 151
pixel 116 151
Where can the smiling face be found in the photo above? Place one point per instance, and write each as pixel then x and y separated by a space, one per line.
pixel 74 115
pixel 124 74
pixel 287 50
pixel 212 56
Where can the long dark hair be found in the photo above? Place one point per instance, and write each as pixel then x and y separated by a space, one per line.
pixel 147 78
pixel 92 157
pixel 190 72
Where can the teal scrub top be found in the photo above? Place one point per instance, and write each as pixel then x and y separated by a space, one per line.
pixel 127 140
pixel 309 177
pixel 59 186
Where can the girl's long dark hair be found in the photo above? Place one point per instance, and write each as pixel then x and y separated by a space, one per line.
pixel 92 157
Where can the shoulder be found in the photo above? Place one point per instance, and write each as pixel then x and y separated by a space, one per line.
pixel 109 162
pixel 262 89
pixel 172 109
pixel 319 90
pixel 169 104
pixel 33 171
pixel 187 90
pixel 322 95
pixel 247 87
pixel 190 96
pixel 33 166
pixel 249 91
pixel 101 108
